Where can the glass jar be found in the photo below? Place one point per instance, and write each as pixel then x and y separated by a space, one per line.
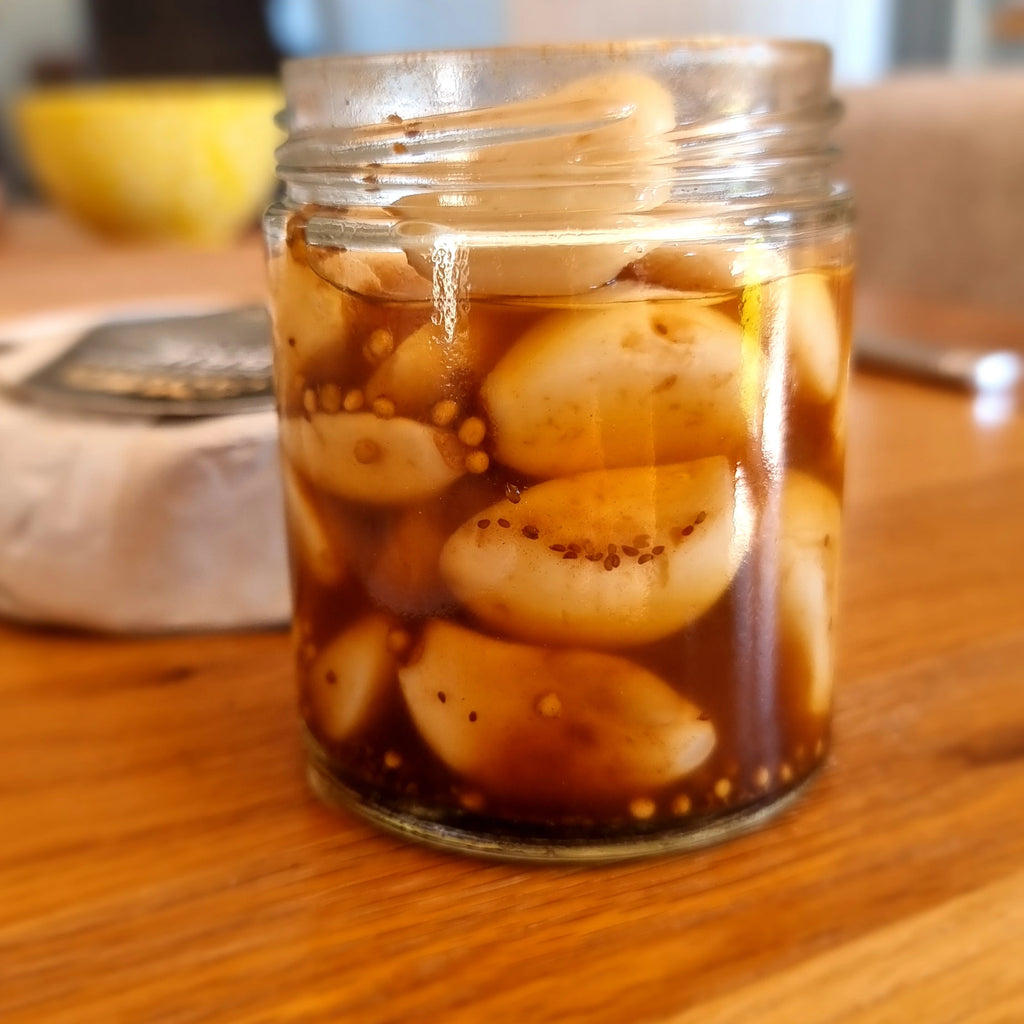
pixel 561 348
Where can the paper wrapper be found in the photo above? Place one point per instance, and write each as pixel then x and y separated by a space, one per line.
pixel 129 524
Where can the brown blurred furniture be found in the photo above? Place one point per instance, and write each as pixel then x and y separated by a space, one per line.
pixel 180 37
pixel 937 165
pixel 1008 22
pixel 162 860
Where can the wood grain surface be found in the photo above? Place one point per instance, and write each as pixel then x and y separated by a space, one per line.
pixel 162 862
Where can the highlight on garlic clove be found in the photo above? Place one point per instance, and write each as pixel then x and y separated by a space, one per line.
pixel 352 681
pixel 609 558
pixel 626 385
pixel 366 458
pixel 808 566
pixel 547 725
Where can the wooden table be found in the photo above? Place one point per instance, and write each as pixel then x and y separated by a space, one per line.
pixel 162 861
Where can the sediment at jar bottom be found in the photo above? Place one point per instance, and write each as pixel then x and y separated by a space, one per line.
pixel 555 561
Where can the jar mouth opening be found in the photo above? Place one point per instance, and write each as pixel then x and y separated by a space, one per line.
pixel 704 111
pixel 707 76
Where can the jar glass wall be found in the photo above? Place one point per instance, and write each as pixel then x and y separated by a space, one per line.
pixel 561 345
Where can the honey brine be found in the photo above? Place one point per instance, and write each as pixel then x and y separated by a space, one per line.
pixel 564 566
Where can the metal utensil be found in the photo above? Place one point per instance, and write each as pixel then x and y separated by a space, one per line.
pixel 951 366
pixel 182 366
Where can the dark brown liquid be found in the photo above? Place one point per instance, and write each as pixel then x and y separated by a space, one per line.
pixel 740 662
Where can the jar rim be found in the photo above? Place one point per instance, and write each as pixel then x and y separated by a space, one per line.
pixel 778 50
pixel 707 75
pixel 377 127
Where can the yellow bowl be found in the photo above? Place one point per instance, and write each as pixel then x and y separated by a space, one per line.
pixel 185 160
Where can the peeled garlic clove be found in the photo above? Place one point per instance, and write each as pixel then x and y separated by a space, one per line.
pixel 708 267
pixel 413 376
pixel 317 545
pixel 378 461
pixel 815 346
pixel 607 558
pixel 379 275
pixel 541 261
pixel 625 119
pixel 353 678
pixel 687 269
pixel 615 125
pixel 644 382
pixel 808 561
pixel 524 722
pixel 427 367
pixel 311 318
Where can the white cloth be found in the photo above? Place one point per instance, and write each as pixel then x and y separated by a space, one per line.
pixel 134 525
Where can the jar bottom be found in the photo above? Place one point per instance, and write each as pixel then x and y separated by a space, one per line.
pixel 529 842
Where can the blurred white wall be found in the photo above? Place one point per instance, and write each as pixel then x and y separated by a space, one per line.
pixel 307 27
pixel 859 31
pixel 31 30
pixel 870 38
pixel 970 38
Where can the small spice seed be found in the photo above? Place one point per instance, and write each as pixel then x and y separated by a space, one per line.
pixel 642 808
pixel 472 431
pixel 444 413
pixel 366 451
pixel 682 804
pixel 383 408
pixel 398 641
pixel 549 706
pixel 330 398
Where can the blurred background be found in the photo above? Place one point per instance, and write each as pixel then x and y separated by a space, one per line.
pixel 43 41
pixel 934 91
pixel 114 191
